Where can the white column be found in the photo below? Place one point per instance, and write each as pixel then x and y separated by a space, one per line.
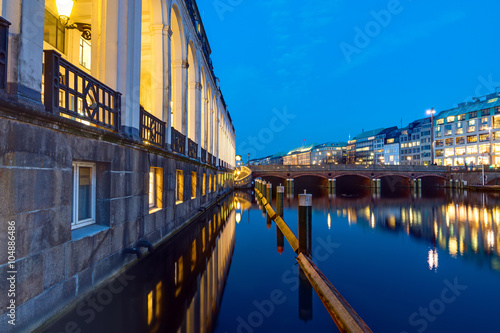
pixel 159 71
pixel 27 20
pixel 127 61
pixel 180 109
pixel 198 120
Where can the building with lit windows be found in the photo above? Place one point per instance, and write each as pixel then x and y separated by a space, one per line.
pixel 391 148
pixel 415 143
pixel 329 153
pixel 468 134
pixel 299 156
pixel 114 129
pixel 276 159
pixel 367 148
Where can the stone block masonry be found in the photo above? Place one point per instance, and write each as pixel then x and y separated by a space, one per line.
pixel 56 265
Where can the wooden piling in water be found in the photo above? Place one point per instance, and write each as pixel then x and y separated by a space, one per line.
pixel 344 316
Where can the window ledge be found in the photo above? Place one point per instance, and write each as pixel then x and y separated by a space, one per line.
pixel 87 231
pixel 154 210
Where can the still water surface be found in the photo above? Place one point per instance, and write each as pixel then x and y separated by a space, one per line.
pixel 406 262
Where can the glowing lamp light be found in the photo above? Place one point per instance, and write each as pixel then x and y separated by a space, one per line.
pixel 64 8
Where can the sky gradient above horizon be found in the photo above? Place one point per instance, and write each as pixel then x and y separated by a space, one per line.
pixel 320 71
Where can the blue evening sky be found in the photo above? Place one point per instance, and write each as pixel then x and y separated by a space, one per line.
pixel 293 70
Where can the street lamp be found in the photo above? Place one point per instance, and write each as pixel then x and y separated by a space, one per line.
pixel 431 112
pixel 64 8
pixel 489 136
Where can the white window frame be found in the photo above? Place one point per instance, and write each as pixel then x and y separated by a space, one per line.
pixel 75 224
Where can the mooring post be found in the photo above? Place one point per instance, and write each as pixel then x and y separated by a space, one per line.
pixel 280 196
pixel 269 198
pixel 305 223
pixel 269 193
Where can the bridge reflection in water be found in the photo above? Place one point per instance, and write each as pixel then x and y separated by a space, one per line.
pixel 176 289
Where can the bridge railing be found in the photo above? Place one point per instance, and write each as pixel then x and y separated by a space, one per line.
pixel 348 167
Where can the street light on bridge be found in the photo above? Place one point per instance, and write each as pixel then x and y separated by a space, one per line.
pixel 431 112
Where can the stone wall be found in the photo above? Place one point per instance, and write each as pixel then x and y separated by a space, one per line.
pixel 57 265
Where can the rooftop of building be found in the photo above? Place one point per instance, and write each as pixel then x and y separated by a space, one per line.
pixel 331 144
pixel 302 149
pixel 491 101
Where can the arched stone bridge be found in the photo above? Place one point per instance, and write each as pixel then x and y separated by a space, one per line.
pixel 333 171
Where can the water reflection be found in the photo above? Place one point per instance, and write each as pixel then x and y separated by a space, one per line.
pixel 463 224
pixel 176 289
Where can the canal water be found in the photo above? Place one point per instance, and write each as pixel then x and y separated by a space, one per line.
pixel 406 261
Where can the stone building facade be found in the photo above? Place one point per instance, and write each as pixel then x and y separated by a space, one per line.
pixel 113 130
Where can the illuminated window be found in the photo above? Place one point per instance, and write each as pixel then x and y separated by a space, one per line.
pixel 496 122
pixel 496 148
pixel 439 153
pixel 440 121
pixel 85 53
pixel 448 142
pixel 450 119
pixel 193 185
pixel 54 32
pixel 449 152
pixel 470 160
pixel 204 185
pixel 179 187
pixel 484 124
pixel 484 137
pixel 471 126
pixel 461 117
pixel 460 140
pixel 439 143
pixel 471 150
pixel 155 188
pixel 447 130
pixel 484 149
pixel 460 151
pixel 459 129
pixel 84 195
pixel 471 138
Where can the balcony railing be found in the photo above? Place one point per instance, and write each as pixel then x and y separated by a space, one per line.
pixel 214 160
pixel 178 142
pixel 209 159
pixel 152 129
pixel 74 94
pixel 4 52
pixel 203 155
pixel 192 149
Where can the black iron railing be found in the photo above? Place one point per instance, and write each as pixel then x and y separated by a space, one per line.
pixel 74 94
pixel 209 159
pixel 214 160
pixel 192 149
pixel 152 129
pixel 203 155
pixel 4 52
pixel 178 142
